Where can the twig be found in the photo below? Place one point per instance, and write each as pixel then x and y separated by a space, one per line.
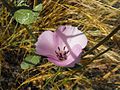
pixel 103 41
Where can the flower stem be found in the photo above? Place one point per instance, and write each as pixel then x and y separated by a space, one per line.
pixel 99 55
pixel 103 40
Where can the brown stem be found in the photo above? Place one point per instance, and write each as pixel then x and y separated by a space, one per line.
pixel 103 40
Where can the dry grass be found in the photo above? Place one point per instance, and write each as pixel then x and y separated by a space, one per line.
pixel 96 18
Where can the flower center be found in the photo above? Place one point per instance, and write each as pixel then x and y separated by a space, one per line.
pixel 62 54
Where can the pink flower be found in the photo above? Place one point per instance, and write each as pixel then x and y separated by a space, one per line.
pixel 62 47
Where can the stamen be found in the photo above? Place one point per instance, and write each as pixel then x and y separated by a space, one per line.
pixel 62 54
pixel 64 47
pixel 67 52
pixel 58 48
pixel 56 52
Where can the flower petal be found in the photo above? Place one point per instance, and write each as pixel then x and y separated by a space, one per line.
pixel 46 44
pixel 72 35
pixel 71 60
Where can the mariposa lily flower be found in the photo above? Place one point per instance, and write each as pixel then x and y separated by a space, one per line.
pixel 62 47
